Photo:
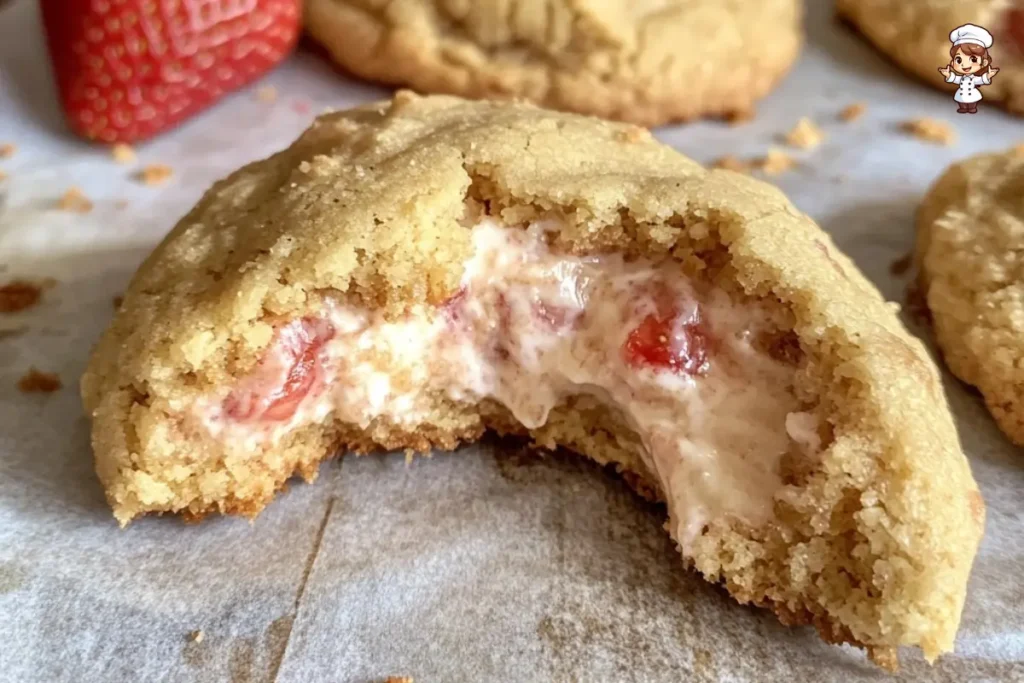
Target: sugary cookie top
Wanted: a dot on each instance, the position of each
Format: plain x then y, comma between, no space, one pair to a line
607,37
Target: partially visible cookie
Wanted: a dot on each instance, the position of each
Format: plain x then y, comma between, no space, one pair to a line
915,35
648,63
970,249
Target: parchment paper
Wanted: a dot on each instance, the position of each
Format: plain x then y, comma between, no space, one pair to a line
487,564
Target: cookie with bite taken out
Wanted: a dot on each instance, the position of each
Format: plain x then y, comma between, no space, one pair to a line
413,273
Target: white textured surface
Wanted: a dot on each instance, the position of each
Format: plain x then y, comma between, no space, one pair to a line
474,566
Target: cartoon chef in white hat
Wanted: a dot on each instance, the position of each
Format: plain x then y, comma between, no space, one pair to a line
970,65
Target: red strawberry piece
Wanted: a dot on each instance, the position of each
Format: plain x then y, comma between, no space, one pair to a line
285,401
265,396
666,343
129,69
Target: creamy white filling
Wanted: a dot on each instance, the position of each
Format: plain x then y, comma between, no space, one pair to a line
530,328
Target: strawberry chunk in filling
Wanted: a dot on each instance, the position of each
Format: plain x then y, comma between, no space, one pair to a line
528,328
285,376
669,342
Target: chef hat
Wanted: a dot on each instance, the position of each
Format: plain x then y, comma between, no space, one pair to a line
969,33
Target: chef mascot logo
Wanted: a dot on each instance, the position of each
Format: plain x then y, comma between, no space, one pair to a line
970,65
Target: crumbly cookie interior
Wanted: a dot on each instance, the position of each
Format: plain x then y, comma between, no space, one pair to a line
703,383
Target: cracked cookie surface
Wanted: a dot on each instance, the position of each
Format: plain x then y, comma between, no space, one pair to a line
915,35
970,251
649,63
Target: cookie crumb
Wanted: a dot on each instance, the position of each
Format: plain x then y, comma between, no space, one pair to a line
74,200
122,153
118,300
155,174
197,636
267,93
1018,150
633,134
852,112
739,116
7,150
399,679
805,135
3,176
37,382
402,98
901,265
930,130
19,295
775,162
731,163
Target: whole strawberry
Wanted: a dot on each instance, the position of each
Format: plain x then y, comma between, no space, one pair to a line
129,69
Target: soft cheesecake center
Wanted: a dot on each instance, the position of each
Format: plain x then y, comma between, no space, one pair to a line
685,364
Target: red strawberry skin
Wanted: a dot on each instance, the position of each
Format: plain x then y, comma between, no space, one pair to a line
129,69
661,343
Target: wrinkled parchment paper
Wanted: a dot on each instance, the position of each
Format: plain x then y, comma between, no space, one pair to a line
487,564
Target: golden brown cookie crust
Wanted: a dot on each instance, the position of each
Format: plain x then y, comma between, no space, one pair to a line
970,250
874,543
915,35
647,63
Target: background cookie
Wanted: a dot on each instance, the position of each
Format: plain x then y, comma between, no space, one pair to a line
648,63
915,35
970,249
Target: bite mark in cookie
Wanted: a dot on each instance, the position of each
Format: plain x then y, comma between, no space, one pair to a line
530,328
